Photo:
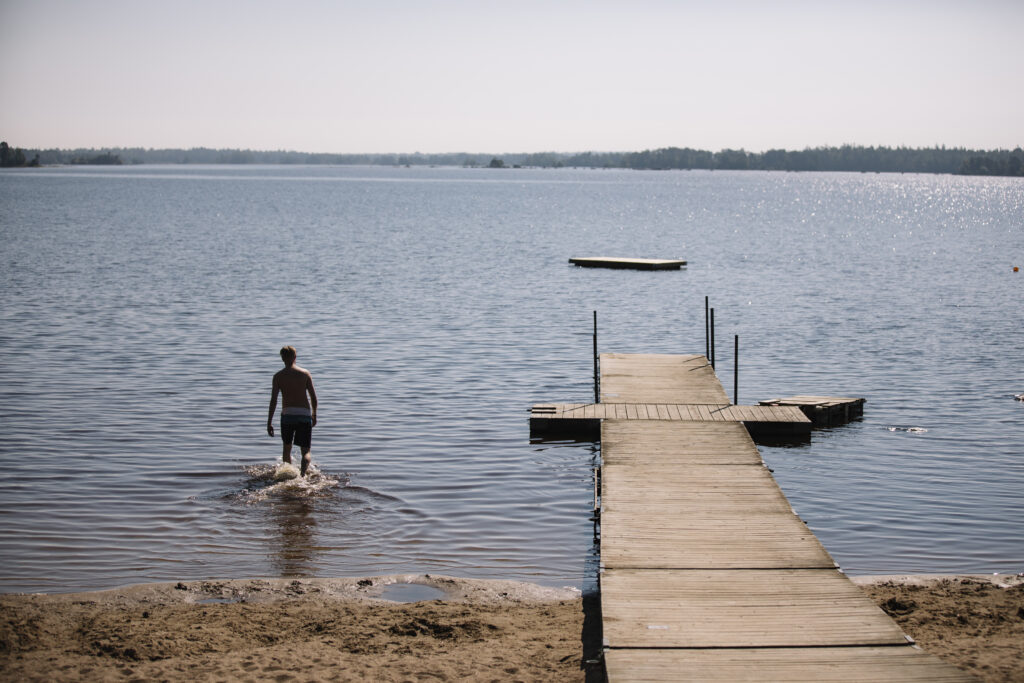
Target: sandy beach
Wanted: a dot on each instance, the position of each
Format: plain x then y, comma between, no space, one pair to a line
975,623
345,629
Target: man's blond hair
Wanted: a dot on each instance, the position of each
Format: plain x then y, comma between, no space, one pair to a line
288,354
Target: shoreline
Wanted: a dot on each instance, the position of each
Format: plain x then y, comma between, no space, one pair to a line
479,629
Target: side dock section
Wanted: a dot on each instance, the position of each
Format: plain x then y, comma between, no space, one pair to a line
706,572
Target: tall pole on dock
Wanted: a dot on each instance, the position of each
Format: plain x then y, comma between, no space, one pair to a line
707,331
712,351
736,372
597,381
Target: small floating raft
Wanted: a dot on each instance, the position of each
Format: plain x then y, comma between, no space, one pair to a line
823,411
634,263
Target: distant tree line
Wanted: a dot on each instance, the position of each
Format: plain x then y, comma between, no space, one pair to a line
845,158
1010,164
13,157
101,159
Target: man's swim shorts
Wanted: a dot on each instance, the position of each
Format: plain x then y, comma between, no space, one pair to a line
297,429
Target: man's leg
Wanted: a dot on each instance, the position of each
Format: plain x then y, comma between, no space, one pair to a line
306,458
288,434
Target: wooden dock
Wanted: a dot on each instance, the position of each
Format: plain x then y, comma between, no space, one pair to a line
632,263
706,572
664,387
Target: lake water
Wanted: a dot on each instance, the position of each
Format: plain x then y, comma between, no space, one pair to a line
143,309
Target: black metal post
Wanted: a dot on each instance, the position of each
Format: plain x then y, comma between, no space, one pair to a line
597,381
707,331
736,372
712,353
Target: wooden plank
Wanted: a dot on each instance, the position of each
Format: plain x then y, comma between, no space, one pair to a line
741,608
748,413
722,414
654,378
647,537
694,491
729,413
660,441
792,413
823,664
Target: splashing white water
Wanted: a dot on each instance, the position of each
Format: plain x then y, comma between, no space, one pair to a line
283,479
285,470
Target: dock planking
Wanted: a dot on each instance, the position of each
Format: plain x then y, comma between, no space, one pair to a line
705,508
668,411
742,608
630,263
584,419
660,378
706,572
818,664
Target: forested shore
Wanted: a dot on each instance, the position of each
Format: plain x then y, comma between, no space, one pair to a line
847,158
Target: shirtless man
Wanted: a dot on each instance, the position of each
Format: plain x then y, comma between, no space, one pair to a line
297,417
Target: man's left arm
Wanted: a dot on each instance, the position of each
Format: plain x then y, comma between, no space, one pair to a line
312,396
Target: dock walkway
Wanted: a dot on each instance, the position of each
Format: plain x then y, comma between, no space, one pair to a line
706,572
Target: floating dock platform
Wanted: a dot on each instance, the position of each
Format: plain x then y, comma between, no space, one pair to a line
633,263
706,573
583,420
823,411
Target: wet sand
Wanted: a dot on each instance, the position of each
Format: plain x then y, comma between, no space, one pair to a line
342,629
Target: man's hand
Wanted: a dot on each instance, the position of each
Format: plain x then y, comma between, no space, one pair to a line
270,429
314,419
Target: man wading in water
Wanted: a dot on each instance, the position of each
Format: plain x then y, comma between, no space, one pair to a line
297,419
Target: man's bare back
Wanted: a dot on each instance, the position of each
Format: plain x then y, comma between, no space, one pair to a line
293,383
298,413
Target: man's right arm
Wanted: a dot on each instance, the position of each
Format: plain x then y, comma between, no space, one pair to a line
273,406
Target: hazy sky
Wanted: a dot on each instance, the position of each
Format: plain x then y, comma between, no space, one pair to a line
515,76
